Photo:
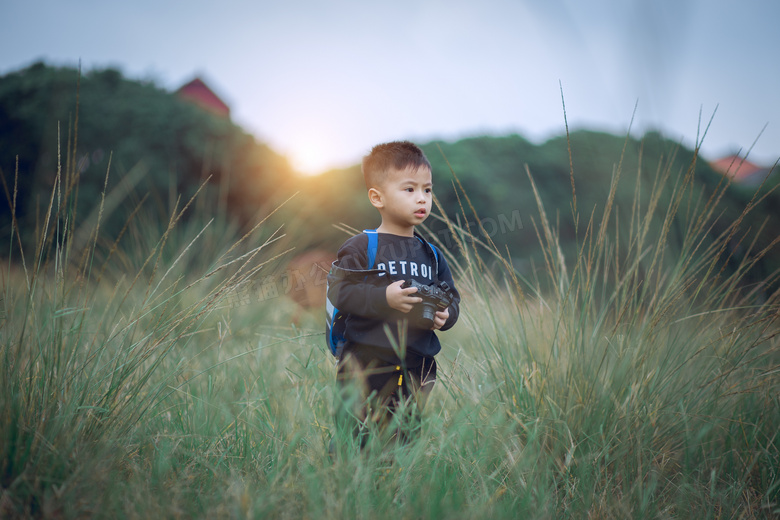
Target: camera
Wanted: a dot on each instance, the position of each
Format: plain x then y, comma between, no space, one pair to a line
434,298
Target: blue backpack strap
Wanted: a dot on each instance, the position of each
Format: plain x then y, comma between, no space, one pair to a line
373,240
335,322
435,252
435,258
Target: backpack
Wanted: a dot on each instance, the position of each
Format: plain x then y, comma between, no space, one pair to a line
336,320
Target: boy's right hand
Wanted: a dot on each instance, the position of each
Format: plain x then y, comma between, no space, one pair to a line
401,299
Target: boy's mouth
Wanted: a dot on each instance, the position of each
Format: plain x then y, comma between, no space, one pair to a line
420,212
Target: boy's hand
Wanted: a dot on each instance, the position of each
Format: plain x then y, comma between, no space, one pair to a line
401,299
440,318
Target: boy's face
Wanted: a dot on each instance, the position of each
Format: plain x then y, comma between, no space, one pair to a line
404,198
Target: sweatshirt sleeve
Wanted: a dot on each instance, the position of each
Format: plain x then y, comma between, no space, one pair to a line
355,292
444,275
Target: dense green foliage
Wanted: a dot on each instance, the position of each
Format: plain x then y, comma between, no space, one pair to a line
492,172
53,119
499,204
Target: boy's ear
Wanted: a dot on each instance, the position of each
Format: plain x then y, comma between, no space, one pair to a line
375,197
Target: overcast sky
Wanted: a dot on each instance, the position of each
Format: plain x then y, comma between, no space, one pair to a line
323,81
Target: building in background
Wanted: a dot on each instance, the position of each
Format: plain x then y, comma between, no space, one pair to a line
198,93
741,170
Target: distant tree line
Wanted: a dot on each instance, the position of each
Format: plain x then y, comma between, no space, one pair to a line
162,148
483,183
159,146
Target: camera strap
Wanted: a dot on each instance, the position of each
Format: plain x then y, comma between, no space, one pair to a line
431,251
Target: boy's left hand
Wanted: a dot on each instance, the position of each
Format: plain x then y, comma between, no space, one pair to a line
440,318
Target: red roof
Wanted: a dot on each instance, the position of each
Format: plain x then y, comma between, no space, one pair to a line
197,92
735,167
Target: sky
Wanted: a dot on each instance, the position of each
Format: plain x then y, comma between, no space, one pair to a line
322,82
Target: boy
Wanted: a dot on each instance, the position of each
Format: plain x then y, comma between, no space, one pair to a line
388,357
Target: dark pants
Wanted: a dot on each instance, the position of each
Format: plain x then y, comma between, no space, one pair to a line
375,391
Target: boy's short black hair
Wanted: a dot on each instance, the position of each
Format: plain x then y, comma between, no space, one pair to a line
397,155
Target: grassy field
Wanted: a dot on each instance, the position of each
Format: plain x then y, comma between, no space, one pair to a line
155,375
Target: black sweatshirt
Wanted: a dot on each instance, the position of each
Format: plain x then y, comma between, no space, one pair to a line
364,298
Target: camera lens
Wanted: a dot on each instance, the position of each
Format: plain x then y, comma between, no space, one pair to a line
427,314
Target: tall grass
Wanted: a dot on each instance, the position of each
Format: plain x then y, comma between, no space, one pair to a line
646,374
634,380
95,334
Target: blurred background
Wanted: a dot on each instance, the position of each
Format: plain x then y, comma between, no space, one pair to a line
263,100
177,177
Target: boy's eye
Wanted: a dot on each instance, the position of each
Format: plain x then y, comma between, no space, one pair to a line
410,189
428,190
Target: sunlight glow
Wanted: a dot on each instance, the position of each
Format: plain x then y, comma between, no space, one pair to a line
318,152
310,160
